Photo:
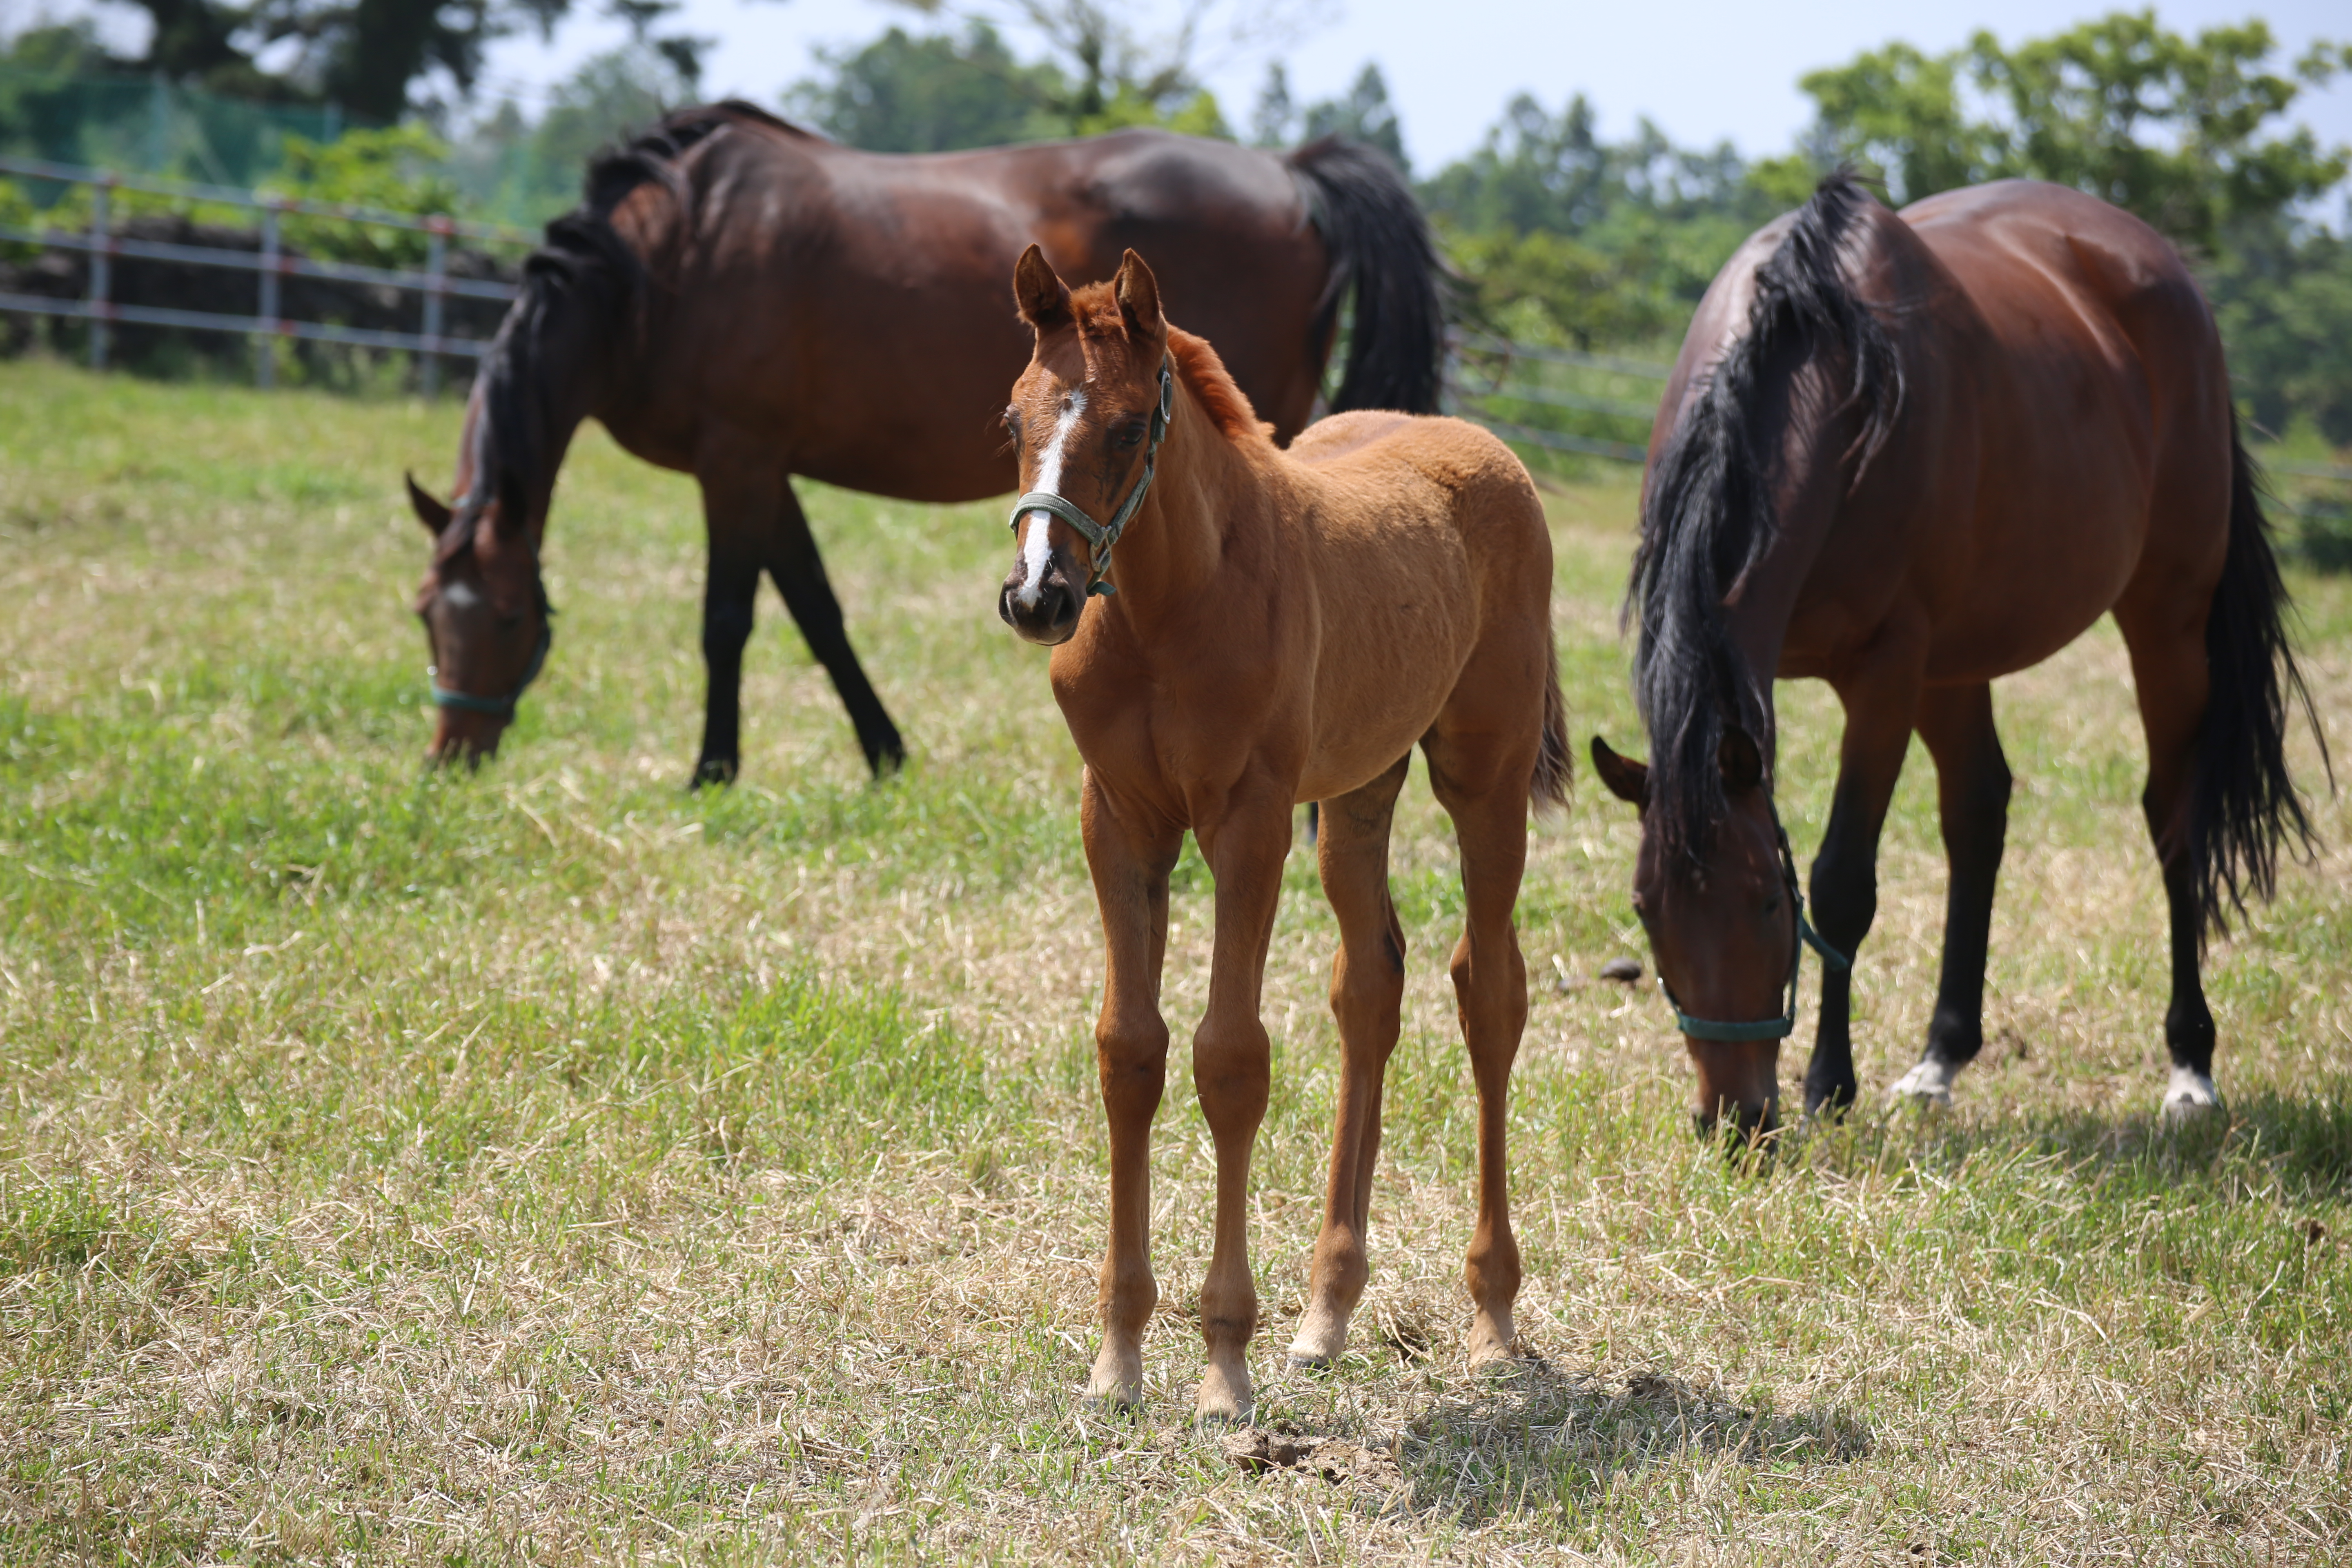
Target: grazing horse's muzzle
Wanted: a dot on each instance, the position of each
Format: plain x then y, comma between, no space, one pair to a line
1046,612
1738,1083
462,737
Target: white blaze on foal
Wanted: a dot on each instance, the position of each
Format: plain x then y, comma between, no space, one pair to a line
1037,545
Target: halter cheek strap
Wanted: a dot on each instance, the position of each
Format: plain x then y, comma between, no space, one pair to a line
1101,536
1782,1028
504,707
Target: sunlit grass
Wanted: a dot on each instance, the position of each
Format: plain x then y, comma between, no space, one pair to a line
551,1164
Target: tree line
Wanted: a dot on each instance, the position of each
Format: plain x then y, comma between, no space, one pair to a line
1561,235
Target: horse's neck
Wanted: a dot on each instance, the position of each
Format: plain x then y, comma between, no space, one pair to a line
1203,489
534,407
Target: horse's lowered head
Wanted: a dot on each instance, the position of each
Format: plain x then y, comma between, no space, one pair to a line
1724,918
1086,421
487,625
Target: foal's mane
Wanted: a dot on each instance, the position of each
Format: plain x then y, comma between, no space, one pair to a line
1708,515
578,300
1096,308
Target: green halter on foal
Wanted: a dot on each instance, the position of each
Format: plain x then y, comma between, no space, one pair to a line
1101,536
1782,1028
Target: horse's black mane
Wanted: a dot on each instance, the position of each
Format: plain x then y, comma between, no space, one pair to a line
1708,515
577,295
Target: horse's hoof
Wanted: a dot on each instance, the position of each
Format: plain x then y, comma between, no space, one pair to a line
1929,1083
2190,1095
712,772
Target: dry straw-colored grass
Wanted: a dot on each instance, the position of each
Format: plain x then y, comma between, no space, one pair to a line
549,1165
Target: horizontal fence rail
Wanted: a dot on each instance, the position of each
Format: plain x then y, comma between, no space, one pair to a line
268,259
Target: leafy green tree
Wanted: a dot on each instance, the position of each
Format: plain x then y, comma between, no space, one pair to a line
2182,130
904,94
1365,114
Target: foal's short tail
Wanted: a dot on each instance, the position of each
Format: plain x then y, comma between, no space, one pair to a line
1550,790
2246,804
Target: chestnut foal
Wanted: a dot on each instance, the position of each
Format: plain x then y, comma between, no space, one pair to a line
1277,628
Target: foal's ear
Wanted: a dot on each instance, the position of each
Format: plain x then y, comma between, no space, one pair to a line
430,513
1041,297
1138,297
1741,760
1626,779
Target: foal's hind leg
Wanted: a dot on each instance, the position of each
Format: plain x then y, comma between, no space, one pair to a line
1488,798
2173,685
1367,995
1973,786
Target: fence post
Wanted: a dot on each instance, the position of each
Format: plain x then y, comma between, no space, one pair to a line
265,343
101,268
436,269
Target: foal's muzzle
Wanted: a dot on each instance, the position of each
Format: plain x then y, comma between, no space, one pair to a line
1051,617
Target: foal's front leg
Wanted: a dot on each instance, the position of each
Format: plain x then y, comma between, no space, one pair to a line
1129,854
1230,1057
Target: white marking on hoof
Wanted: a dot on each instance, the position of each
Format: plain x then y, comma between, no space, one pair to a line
2190,1093
1930,1082
1036,545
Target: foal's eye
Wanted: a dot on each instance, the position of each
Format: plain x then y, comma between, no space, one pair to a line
1128,436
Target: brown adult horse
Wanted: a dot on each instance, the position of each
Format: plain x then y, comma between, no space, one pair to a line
743,301
1905,454
1284,627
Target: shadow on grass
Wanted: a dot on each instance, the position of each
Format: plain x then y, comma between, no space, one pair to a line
1536,1437
2301,1140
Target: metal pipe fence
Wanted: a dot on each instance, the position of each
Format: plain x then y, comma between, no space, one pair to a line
270,260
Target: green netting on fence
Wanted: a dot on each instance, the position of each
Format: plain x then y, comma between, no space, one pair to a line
149,125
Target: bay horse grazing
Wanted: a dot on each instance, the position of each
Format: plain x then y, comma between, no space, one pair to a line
742,301
1907,453
1276,627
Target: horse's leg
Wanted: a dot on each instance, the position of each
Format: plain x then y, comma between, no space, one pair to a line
1367,996
1972,785
1881,705
1130,860
799,572
1245,850
2173,683
1490,990
736,505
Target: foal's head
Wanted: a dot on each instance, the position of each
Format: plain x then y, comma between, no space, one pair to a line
1084,420
1720,909
487,623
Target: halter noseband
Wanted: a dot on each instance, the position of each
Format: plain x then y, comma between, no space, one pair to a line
1101,536
504,707
1782,1028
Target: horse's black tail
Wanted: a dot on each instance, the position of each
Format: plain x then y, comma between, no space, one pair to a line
1382,252
2246,805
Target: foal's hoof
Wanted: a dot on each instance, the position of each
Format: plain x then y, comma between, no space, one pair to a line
1226,1397
2190,1095
1929,1083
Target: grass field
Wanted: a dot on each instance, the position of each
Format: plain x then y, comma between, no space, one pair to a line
547,1164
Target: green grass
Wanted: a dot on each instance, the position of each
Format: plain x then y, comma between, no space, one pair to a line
548,1164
